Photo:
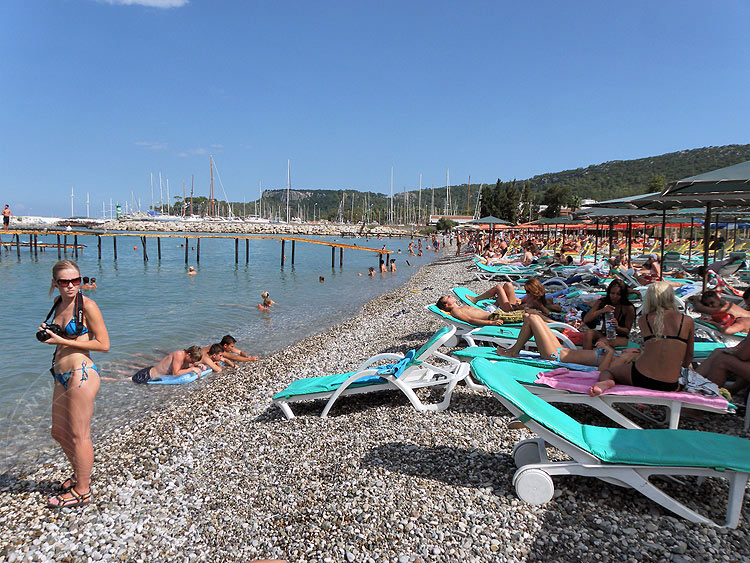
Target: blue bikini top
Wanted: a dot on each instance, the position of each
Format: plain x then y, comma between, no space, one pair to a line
75,326
72,328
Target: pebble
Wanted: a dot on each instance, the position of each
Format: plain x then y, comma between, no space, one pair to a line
222,475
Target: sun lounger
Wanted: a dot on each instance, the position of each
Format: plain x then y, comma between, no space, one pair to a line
534,376
619,456
411,371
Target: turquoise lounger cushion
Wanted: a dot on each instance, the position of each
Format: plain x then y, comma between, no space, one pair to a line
432,341
324,384
529,359
679,448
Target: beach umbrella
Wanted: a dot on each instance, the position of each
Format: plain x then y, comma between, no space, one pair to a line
491,221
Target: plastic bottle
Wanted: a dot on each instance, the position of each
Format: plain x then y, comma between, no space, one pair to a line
609,323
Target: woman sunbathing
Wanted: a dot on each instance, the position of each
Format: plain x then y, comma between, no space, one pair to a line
727,317
550,348
668,338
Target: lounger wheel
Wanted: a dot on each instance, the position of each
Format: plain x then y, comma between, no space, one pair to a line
534,486
526,453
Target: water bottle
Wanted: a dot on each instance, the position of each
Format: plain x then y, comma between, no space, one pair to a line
609,323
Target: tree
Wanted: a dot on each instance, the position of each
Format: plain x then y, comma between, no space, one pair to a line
656,183
510,203
491,199
445,224
525,204
575,202
554,198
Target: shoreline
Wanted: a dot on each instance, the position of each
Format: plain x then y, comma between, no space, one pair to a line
223,474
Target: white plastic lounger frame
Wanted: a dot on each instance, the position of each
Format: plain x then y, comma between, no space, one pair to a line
534,485
420,374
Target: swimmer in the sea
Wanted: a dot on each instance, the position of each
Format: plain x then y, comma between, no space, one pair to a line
267,301
191,271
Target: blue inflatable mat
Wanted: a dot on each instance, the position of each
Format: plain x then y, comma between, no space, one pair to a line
184,378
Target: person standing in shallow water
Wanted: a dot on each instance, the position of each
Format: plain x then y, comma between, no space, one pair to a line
7,214
82,330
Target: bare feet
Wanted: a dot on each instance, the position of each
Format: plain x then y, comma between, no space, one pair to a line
601,386
507,352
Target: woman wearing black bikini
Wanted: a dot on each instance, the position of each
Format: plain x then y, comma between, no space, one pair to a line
76,378
668,338
616,301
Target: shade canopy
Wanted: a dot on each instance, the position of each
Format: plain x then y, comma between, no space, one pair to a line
490,220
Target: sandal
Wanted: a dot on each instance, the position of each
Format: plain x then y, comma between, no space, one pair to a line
75,500
66,485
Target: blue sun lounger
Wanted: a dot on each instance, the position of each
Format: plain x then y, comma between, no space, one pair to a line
411,371
619,456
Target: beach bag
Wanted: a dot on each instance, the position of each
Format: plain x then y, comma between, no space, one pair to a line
507,316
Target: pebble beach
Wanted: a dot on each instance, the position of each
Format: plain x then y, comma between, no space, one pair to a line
223,475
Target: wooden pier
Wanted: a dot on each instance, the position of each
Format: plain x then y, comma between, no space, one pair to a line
63,246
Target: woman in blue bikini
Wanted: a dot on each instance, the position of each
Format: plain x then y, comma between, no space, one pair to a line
76,378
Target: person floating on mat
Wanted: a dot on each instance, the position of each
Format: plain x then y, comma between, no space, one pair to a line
550,348
616,302
213,357
668,338
175,364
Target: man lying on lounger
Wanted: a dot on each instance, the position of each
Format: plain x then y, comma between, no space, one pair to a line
472,315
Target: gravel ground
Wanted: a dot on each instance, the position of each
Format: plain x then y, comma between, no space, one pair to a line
223,476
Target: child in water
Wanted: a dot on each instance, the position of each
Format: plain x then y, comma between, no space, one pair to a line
267,301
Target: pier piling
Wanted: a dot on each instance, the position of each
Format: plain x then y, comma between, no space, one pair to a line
75,246
99,245
247,251
186,250
198,251
333,257
158,248
65,245
58,247
31,244
145,253
36,246
341,257
18,246
114,246
282,252
236,251
293,241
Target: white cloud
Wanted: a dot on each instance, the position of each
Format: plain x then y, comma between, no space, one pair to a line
198,151
152,145
148,3
217,146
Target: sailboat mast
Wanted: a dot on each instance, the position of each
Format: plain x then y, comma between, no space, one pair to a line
390,213
192,182
468,193
288,185
419,205
211,204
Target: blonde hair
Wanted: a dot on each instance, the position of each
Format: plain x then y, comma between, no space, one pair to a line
59,267
194,353
659,298
264,295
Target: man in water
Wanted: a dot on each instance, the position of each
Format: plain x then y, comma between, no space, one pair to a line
231,352
172,365
7,214
213,356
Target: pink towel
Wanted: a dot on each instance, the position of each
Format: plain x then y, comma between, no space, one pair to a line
581,382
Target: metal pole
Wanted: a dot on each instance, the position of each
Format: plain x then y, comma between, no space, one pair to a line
706,231
690,246
611,242
663,225
630,238
596,241
716,234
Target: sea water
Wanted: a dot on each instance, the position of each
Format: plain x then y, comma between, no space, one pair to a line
154,307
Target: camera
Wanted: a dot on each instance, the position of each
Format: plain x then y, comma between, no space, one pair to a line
43,336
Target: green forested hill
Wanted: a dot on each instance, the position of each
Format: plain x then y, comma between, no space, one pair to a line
617,178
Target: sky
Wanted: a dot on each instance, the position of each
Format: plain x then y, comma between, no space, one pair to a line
96,95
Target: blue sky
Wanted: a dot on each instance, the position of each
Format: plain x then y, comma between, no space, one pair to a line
98,94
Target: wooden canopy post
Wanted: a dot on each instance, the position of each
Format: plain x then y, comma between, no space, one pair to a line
596,241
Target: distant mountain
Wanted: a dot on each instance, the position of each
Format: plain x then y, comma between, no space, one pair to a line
617,178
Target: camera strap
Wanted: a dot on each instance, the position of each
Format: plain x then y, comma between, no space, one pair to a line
77,313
